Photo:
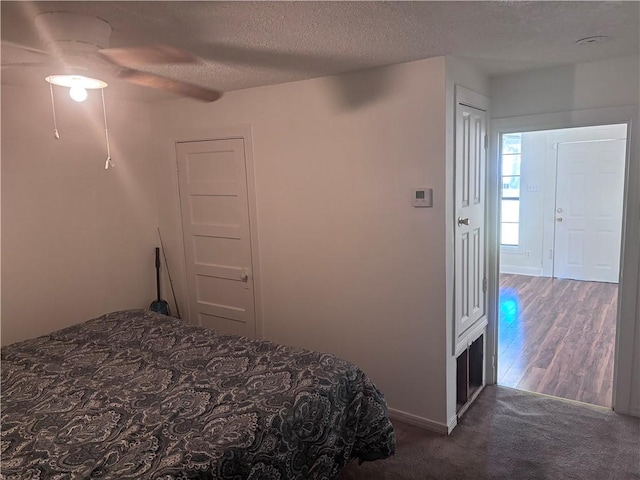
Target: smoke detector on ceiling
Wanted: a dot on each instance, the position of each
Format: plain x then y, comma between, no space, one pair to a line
592,40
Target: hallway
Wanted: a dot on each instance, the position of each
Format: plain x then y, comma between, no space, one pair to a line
557,337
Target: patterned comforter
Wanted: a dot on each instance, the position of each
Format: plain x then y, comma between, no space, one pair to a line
137,395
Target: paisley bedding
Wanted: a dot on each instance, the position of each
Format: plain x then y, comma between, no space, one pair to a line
135,394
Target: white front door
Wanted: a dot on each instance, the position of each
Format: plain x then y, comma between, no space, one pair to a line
469,223
217,242
589,198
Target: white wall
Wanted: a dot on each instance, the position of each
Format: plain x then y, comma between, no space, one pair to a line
346,264
607,83
537,196
590,94
77,241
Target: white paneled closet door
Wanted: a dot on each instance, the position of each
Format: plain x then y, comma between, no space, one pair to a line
469,223
212,177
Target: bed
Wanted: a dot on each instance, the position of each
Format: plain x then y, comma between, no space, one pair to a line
135,394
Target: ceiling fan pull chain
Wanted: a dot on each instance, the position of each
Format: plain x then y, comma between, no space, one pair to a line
53,109
109,162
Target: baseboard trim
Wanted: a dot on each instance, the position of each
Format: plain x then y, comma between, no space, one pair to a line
418,421
631,411
453,421
517,270
634,412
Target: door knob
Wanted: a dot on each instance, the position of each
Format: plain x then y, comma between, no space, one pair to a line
463,221
244,277
559,219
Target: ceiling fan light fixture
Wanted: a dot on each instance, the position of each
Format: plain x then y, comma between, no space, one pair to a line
77,93
77,85
70,81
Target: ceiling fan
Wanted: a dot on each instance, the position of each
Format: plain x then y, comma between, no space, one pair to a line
76,46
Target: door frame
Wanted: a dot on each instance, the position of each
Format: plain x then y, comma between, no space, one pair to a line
627,311
242,132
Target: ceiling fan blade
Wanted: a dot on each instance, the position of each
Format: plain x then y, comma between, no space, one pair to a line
10,44
156,54
24,64
176,87
261,57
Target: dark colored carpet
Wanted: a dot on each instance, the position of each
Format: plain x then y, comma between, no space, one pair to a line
513,435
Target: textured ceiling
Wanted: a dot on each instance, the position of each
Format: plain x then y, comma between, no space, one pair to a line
248,44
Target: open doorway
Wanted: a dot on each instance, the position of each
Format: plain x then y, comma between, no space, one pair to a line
561,206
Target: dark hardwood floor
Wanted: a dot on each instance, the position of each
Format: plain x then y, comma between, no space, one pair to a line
557,337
